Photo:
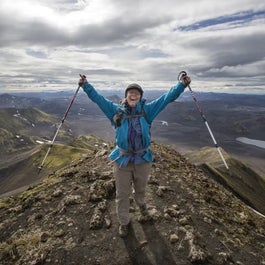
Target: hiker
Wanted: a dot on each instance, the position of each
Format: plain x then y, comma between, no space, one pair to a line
132,157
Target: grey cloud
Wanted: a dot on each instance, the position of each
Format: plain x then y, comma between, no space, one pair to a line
225,55
164,71
104,71
37,32
36,54
53,75
130,39
115,31
239,50
17,33
232,51
130,52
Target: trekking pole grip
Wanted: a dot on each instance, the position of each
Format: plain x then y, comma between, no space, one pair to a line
184,82
181,74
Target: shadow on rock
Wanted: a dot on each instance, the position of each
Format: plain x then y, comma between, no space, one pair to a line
157,245
135,249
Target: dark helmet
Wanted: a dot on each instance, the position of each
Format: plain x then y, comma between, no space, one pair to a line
134,86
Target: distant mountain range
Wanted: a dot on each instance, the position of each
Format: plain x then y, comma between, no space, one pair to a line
148,94
229,115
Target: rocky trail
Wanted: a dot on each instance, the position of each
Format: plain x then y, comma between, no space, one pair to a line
70,218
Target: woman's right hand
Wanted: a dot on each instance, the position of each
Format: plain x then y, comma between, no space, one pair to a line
82,80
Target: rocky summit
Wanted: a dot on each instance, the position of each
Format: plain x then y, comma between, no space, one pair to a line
70,218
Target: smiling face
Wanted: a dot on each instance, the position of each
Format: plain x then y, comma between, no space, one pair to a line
133,97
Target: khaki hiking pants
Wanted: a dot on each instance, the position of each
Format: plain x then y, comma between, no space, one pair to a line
124,178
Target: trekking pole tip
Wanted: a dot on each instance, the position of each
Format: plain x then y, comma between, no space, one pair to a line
39,169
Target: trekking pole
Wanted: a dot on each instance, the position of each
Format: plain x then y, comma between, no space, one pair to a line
57,131
182,74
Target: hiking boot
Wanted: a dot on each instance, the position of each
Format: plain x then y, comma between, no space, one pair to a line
123,230
143,210
144,214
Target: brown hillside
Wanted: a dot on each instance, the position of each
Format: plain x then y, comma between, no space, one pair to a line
70,219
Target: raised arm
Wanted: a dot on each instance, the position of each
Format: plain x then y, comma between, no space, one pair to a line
108,107
153,108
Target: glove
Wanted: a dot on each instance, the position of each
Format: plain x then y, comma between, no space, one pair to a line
82,80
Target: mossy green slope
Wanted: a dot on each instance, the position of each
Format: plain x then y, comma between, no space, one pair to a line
240,178
23,169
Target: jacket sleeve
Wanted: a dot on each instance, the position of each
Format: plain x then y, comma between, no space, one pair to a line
108,107
153,108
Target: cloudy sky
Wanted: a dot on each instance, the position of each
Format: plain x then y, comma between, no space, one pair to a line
45,44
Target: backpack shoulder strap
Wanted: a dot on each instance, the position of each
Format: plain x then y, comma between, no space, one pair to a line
142,114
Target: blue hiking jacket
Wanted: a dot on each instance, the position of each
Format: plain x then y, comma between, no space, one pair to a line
151,110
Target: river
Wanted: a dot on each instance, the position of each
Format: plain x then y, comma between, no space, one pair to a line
245,140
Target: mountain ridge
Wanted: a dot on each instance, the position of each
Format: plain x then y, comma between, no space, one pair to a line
70,218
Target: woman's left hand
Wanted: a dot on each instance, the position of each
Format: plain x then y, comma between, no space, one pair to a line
185,80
